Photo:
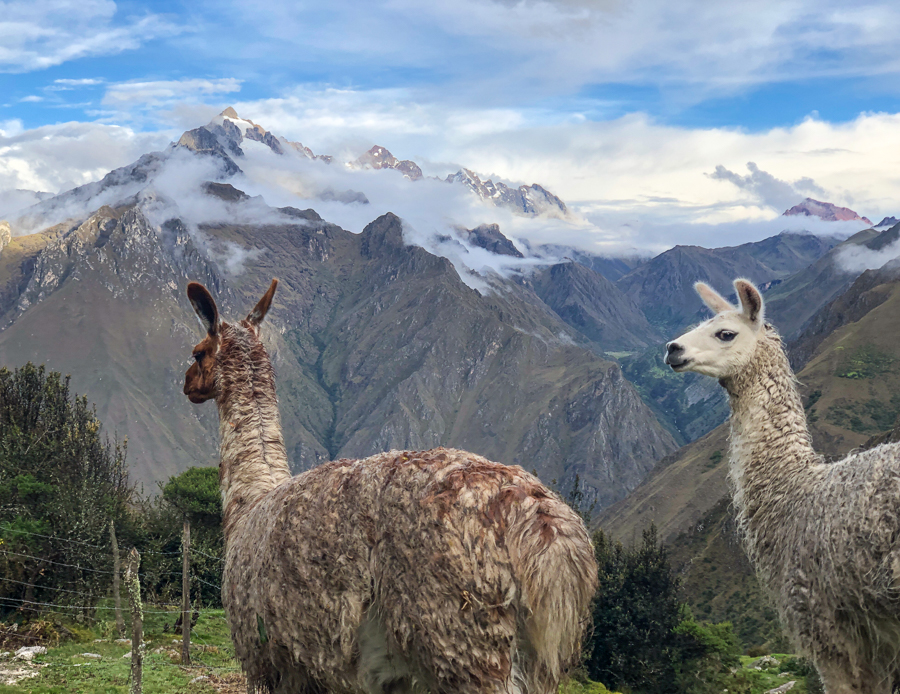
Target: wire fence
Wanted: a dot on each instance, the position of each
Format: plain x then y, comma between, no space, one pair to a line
79,612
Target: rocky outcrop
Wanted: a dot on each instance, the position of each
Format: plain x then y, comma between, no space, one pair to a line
825,211
530,200
204,142
490,238
380,158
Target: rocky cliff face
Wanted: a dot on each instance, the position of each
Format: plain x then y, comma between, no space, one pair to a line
591,304
379,158
377,345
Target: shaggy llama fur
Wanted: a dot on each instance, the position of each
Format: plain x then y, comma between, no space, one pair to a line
435,571
824,538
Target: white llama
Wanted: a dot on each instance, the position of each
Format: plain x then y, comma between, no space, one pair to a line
825,538
409,571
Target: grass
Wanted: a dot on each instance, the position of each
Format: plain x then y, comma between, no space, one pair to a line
67,670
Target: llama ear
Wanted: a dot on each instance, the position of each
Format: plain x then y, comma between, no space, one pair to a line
204,306
751,301
716,302
255,317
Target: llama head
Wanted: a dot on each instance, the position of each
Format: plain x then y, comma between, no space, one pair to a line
725,344
223,341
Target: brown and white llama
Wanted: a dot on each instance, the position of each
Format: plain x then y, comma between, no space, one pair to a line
410,571
824,537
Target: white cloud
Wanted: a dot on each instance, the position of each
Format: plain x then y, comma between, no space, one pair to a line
632,183
179,103
59,157
166,92
629,169
769,190
38,35
857,259
492,51
69,84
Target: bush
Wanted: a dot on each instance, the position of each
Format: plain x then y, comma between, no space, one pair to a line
634,644
61,484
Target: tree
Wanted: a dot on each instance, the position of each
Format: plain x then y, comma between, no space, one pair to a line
634,644
60,485
195,492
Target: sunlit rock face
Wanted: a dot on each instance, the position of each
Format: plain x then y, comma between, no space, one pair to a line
825,211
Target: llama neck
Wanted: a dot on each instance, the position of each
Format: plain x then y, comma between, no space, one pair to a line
253,459
770,442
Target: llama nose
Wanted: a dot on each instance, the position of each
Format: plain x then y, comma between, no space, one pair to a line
673,354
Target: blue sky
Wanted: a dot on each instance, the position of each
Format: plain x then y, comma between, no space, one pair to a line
685,66
615,105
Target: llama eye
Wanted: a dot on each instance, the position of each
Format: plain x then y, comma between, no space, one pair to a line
726,335
198,356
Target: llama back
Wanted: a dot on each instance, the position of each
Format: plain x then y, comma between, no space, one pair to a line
470,571
518,558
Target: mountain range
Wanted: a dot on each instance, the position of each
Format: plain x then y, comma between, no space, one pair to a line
395,335
378,343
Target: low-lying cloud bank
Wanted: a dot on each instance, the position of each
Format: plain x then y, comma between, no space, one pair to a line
633,186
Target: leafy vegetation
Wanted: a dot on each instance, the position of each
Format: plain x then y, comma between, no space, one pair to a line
62,484
864,363
644,639
58,479
865,417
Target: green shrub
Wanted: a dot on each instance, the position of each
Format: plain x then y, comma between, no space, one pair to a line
866,362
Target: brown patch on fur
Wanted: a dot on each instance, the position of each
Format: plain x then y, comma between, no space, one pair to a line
200,378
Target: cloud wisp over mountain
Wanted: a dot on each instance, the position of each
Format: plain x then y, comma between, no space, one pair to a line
767,189
623,111
639,194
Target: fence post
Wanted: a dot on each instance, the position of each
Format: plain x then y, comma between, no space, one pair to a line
117,567
137,622
186,594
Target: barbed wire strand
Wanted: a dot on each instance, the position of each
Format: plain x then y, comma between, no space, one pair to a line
209,556
79,542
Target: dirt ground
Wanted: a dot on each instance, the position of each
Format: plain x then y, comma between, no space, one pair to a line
232,683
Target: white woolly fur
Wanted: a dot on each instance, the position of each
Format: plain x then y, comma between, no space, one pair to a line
824,537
